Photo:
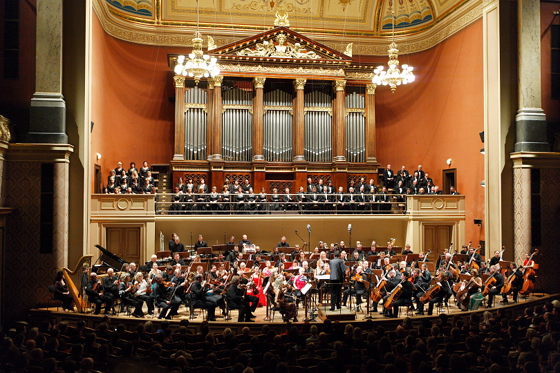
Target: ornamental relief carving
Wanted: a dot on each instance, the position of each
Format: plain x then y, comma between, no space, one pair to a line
366,43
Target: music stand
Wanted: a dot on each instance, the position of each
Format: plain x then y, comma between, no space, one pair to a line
265,291
310,285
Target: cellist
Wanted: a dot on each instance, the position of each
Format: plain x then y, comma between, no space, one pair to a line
443,293
392,281
515,281
422,279
497,288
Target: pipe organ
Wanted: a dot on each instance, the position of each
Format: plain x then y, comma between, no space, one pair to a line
284,106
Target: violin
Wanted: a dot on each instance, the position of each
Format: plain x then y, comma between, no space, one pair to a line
357,277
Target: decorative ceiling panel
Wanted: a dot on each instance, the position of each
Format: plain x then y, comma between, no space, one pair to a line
418,24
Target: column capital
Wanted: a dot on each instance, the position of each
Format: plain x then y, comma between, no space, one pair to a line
258,82
299,83
370,88
339,85
218,80
179,81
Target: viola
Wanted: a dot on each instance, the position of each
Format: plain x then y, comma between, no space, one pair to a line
357,277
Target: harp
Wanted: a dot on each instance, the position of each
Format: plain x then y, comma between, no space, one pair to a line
74,282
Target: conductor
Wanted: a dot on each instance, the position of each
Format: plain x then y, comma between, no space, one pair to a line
337,276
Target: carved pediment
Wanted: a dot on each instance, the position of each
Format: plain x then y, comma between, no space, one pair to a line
282,45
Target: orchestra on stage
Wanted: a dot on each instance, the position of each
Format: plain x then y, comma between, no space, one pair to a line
239,276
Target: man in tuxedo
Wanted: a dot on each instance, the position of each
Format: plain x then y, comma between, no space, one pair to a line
200,299
389,177
336,278
421,173
403,175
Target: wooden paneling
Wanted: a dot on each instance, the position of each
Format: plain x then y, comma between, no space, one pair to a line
124,242
437,238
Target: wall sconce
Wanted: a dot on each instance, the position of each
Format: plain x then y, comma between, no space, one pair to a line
97,156
482,151
483,183
478,222
449,161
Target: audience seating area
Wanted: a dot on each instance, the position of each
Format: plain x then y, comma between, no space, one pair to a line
494,341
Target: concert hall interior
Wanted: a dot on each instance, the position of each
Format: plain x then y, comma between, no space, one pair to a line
91,86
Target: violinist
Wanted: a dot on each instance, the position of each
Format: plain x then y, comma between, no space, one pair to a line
422,279
143,291
168,275
443,293
326,270
111,284
94,291
164,298
236,300
200,299
386,265
299,283
357,288
251,300
321,262
497,287
126,291
177,260
402,266
516,279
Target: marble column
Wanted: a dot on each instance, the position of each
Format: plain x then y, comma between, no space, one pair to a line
530,120
371,144
258,118
217,122
522,212
298,129
338,125
179,140
60,211
47,121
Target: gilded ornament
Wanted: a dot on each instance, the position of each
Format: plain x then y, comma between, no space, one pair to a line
258,82
5,133
300,83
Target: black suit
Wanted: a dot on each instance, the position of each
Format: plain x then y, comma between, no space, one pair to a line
94,297
389,178
235,301
337,277
496,289
200,300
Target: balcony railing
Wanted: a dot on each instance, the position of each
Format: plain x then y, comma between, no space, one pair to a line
247,204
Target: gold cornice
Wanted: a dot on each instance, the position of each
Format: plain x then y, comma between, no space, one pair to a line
56,153
165,33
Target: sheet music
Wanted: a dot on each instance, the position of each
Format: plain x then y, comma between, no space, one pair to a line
306,288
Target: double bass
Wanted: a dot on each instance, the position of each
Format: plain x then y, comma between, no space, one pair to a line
528,276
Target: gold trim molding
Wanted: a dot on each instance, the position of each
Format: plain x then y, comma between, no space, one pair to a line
364,43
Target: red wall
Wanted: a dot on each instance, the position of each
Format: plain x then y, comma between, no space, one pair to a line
438,117
133,117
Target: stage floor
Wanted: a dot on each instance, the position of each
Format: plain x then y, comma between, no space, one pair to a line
319,314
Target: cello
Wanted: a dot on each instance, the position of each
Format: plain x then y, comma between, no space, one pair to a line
528,276
430,293
491,280
376,293
395,294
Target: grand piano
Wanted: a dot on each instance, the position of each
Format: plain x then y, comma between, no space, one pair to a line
108,260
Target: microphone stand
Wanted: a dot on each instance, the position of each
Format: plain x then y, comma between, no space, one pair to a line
309,238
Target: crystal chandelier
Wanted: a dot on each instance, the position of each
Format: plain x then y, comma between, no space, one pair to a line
198,64
393,76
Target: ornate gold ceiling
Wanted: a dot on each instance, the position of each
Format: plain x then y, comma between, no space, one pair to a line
418,24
